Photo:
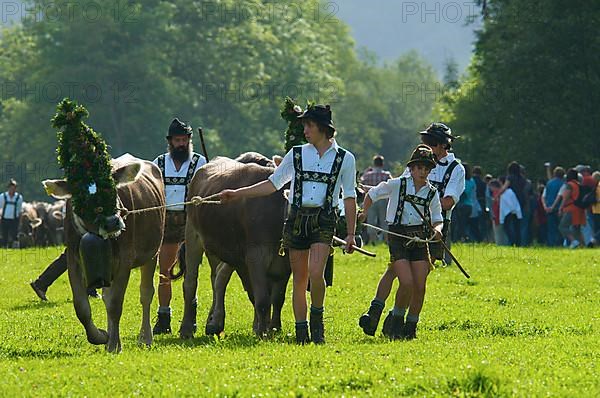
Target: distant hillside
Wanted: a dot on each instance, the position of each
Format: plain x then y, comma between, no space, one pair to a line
436,29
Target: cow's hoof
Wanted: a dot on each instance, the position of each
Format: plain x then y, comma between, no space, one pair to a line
145,340
187,332
213,330
98,338
114,347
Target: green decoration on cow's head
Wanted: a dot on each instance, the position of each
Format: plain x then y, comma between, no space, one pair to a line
294,135
83,156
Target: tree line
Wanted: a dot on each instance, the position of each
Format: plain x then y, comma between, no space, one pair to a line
226,66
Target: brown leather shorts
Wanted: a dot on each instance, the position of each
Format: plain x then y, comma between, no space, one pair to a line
401,249
174,227
306,226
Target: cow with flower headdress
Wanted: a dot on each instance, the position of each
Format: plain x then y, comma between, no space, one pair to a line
103,242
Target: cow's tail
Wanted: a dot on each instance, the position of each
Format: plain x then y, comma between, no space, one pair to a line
181,261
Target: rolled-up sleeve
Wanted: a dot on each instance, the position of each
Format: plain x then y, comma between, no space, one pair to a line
435,208
284,172
349,176
456,184
383,190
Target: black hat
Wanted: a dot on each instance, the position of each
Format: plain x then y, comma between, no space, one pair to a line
179,128
423,154
320,114
440,132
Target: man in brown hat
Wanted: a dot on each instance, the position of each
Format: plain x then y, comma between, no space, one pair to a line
318,172
409,260
178,166
11,203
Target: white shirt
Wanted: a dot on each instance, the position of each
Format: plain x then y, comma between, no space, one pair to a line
11,202
176,193
390,189
456,183
314,193
509,204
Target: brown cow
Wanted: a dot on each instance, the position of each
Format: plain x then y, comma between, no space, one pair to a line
51,232
139,185
29,223
245,234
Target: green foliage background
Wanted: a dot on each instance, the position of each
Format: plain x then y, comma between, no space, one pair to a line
532,91
224,65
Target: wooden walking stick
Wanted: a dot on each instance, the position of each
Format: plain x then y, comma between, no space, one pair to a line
441,240
358,249
201,134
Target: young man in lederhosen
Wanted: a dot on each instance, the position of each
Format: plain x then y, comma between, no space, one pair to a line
409,261
178,166
448,177
317,171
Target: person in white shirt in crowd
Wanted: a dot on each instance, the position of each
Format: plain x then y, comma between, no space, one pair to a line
11,203
510,212
318,171
410,261
448,177
178,166
370,178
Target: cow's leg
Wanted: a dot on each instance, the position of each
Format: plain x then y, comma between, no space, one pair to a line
257,259
82,305
193,257
220,276
146,294
113,297
281,274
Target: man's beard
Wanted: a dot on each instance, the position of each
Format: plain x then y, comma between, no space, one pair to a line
181,153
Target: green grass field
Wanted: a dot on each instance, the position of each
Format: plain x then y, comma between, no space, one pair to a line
526,324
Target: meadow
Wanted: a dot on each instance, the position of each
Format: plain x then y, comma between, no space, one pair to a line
526,324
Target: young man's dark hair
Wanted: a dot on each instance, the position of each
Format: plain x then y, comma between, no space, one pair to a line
378,161
476,170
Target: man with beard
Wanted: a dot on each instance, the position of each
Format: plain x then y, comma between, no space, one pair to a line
178,166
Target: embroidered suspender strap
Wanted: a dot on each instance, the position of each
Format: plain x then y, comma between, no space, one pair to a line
335,172
17,197
190,174
441,185
414,200
401,198
297,199
161,165
315,176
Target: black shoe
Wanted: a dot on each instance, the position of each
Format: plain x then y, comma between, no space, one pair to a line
317,329
302,336
410,330
163,324
40,293
393,326
369,321
93,293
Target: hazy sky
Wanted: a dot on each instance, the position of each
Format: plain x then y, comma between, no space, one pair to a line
437,29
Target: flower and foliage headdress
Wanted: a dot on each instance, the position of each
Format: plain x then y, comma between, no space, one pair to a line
294,135
83,156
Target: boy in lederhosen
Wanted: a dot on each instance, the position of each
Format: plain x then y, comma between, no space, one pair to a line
448,177
409,260
317,172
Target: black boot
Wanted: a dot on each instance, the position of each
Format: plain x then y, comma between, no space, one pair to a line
41,293
393,326
410,330
163,324
369,321
302,336
317,329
